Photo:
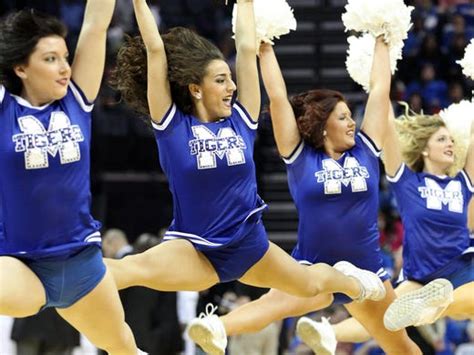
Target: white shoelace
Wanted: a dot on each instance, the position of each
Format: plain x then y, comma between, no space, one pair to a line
209,311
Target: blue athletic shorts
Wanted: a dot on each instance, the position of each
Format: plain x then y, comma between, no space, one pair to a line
67,281
234,260
459,271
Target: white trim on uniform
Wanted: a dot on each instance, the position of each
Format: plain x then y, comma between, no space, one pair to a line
305,262
397,175
468,180
80,99
164,123
296,153
401,277
2,93
248,120
470,248
92,238
262,207
193,238
21,101
381,272
369,143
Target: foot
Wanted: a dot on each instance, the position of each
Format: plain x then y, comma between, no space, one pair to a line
422,306
208,332
372,288
319,336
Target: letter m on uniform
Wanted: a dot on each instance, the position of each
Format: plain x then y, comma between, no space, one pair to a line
208,147
436,196
36,142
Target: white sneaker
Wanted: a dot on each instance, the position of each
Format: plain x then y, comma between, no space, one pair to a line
422,306
372,288
319,336
208,332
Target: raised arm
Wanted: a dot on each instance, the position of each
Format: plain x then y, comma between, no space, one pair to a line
158,87
285,129
469,166
89,60
246,62
391,148
376,112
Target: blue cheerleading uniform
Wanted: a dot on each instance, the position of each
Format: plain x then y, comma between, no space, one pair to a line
45,198
434,214
212,179
44,185
337,205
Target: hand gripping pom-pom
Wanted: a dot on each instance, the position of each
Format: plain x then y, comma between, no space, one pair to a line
360,56
388,18
273,18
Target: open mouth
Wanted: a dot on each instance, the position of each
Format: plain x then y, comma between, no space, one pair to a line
228,101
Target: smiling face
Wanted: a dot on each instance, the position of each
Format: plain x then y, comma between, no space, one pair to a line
213,96
46,75
340,130
439,152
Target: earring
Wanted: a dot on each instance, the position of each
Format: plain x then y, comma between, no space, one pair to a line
325,133
425,154
198,96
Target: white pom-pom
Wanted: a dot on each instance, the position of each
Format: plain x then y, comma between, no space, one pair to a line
459,118
273,18
361,54
390,18
467,62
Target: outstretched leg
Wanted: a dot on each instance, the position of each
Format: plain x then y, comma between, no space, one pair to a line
462,306
172,265
99,316
21,293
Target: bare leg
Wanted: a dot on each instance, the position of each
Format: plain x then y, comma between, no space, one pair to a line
272,306
351,331
462,306
100,317
370,315
171,266
21,293
279,270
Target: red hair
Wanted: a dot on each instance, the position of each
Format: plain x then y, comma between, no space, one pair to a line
312,110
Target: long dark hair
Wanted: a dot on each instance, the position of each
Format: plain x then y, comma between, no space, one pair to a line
188,56
19,34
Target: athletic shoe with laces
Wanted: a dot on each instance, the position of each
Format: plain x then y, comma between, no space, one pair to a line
319,336
372,288
208,332
422,306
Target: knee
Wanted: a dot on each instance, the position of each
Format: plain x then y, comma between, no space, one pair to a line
19,306
123,343
322,276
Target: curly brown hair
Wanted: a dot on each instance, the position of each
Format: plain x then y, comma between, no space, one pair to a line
312,110
188,56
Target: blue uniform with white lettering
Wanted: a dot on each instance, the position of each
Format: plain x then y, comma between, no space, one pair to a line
212,179
337,204
44,181
434,214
